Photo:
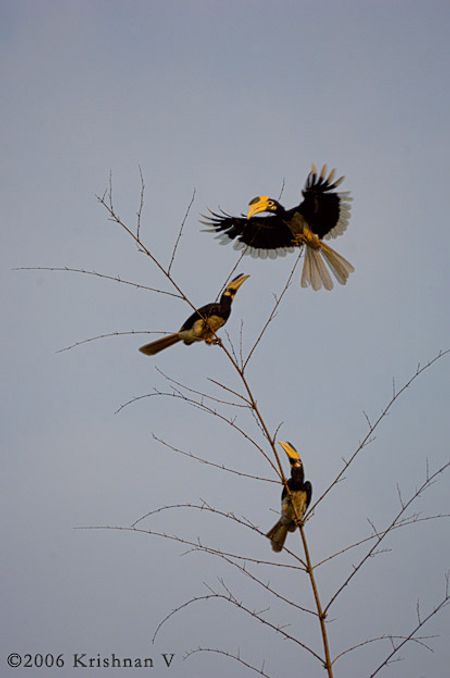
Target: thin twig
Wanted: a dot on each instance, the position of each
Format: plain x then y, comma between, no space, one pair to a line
272,314
230,655
187,542
265,585
387,636
171,380
385,532
221,467
231,273
443,603
180,232
141,205
229,598
116,218
403,523
372,427
283,184
104,276
230,390
108,334
204,408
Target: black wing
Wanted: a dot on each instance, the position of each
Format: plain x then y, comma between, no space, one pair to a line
326,212
259,233
308,490
203,312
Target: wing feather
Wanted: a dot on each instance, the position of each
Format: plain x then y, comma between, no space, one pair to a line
263,236
326,211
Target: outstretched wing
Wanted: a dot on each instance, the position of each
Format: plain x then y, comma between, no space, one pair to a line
258,236
326,211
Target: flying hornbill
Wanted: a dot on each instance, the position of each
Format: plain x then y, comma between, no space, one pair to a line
203,324
293,503
323,213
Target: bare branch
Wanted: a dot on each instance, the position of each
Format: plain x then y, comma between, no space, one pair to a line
104,276
204,408
283,184
265,585
383,534
230,516
400,498
421,622
232,272
141,205
230,655
230,390
108,205
420,640
230,598
232,349
373,427
197,545
328,664
104,336
175,247
206,395
221,467
273,312
402,523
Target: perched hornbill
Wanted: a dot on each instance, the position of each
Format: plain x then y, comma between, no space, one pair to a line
323,213
298,497
203,324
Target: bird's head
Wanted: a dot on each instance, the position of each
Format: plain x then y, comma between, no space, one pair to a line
234,285
262,203
293,455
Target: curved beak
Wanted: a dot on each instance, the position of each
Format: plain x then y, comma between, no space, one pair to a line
235,284
257,205
290,451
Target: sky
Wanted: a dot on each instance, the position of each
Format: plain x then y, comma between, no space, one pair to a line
229,100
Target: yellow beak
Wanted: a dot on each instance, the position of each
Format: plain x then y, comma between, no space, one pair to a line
258,205
290,450
235,284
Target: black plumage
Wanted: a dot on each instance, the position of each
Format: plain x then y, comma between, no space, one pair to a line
203,324
322,214
294,503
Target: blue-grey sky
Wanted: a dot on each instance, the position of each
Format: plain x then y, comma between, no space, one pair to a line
230,99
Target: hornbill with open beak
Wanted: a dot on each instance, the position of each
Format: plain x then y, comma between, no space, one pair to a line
293,503
203,324
322,214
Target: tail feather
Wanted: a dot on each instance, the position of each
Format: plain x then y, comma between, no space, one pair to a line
277,535
338,264
306,272
315,272
160,344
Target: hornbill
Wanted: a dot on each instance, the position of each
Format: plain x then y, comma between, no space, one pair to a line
298,498
203,324
323,213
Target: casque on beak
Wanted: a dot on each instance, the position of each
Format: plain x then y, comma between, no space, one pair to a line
291,452
237,282
257,205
